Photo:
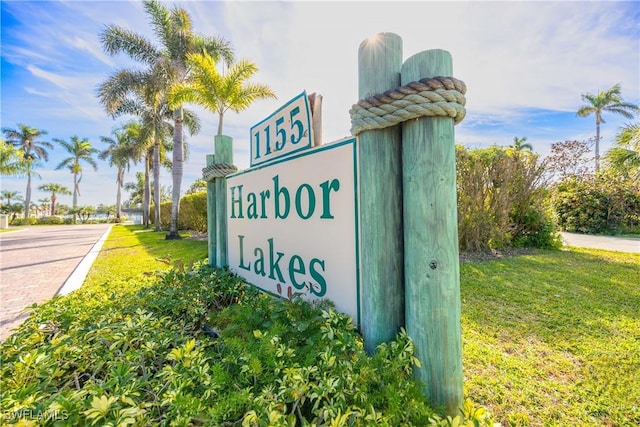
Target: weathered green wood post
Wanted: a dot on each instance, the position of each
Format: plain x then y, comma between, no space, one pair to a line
432,271
211,213
382,305
224,155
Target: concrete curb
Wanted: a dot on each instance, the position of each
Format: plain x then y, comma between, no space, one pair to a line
75,279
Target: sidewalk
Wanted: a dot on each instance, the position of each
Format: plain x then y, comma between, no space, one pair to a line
610,243
38,262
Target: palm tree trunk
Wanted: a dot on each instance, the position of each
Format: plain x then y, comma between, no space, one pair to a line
75,190
27,199
220,124
53,204
119,193
177,171
597,146
156,185
146,194
75,195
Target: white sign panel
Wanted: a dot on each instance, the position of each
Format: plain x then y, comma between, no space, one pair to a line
286,131
293,225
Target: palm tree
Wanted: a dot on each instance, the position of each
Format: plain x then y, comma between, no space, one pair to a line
9,195
120,152
11,163
81,151
625,156
173,29
519,144
44,205
54,189
140,94
25,139
136,189
609,101
217,92
6,194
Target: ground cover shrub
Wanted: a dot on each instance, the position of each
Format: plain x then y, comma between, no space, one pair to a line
196,346
551,338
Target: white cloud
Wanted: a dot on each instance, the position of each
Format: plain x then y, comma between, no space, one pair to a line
89,44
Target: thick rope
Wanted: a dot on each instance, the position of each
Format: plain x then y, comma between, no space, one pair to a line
218,170
432,97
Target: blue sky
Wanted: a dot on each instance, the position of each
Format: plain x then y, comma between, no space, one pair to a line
525,65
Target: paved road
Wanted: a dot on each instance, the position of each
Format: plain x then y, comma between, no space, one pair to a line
622,244
36,262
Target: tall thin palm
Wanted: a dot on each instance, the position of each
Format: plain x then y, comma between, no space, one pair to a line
54,189
120,152
81,151
25,138
220,92
609,101
140,94
174,32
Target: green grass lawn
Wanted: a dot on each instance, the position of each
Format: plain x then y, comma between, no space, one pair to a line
11,228
131,250
553,338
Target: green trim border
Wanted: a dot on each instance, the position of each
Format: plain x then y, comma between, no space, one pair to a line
353,141
306,146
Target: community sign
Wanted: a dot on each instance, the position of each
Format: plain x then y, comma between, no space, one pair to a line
293,219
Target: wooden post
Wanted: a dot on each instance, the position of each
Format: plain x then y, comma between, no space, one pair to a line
315,103
224,154
211,214
432,270
382,302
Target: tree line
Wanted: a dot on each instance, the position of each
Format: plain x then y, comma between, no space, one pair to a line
179,66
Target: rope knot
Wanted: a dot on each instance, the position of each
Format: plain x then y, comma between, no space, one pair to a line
430,97
218,170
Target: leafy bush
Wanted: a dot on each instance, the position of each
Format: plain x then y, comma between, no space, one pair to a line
24,221
199,347
501,200
602,204
193,213
50,220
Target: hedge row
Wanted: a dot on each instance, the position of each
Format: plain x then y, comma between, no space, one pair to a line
193,213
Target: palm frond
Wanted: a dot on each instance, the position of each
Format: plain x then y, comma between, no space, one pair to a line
216,47
585,110
191,121
114,91
629,136
116,40
159,19
625,109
